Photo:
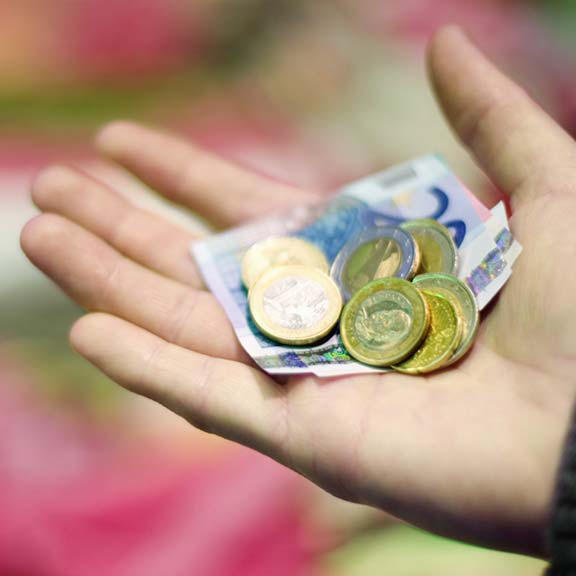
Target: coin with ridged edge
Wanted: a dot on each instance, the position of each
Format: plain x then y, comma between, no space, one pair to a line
464,302
280,251
441,340
438,252
295,304
379,252
384,322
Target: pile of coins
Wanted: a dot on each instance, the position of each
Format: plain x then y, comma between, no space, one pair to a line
393,288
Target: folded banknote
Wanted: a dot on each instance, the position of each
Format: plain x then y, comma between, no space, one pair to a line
422,188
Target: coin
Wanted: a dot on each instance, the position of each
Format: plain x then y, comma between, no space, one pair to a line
280,251
437,248
464,302
384,322
441,340
379,252
295,304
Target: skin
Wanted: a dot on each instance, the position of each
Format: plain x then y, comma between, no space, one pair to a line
471,452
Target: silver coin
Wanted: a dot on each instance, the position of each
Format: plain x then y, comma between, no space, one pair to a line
295,304
379,252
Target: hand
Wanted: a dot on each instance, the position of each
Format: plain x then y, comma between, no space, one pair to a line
470,452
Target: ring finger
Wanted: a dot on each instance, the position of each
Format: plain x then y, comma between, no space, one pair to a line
100,279
144,237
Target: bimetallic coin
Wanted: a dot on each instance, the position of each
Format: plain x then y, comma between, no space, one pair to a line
378,252
295,304
384,322
280,251
441,340
464,302
437,248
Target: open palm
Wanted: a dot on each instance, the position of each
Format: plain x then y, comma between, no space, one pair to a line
470,452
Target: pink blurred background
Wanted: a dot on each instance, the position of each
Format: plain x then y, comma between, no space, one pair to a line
96,481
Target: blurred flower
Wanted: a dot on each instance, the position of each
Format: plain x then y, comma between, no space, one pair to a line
126,38
77,501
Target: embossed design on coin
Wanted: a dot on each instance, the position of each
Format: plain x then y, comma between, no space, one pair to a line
441,340
378,325
280,251
379,252
384,322
382,327
464,302
437,248
295,304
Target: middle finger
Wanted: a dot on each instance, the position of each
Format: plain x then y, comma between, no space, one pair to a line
143,236
100,279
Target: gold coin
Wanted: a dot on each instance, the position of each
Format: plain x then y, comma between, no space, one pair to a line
464,302
384,322
438,252
295,304
280,251
441,340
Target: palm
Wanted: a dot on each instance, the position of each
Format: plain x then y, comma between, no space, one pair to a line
470,452
415,446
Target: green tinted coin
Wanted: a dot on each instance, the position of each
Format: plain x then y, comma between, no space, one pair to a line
384,322
377,252
464,302
441,340
438,252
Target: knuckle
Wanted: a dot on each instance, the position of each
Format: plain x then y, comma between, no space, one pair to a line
180,315
110,278
475,124
124,227
135,230
492,116
202,415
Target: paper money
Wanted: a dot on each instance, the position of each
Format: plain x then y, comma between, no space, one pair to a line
498,226
486,263
422,188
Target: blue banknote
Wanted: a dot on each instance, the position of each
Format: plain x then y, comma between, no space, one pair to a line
422,188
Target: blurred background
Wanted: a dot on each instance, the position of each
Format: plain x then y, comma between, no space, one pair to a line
96,481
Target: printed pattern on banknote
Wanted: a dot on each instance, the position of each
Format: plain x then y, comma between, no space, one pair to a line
422,188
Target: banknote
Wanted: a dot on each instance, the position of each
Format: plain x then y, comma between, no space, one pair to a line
422,188
499,227
486,263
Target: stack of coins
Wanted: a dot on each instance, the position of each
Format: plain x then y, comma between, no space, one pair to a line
291,297
393,288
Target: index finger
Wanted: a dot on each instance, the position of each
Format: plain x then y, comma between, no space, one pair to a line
218,190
